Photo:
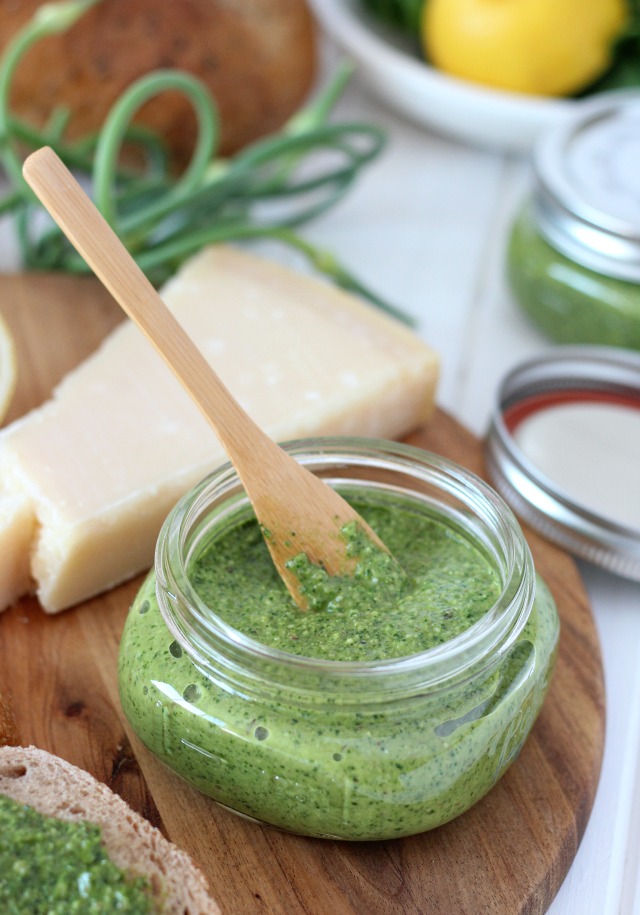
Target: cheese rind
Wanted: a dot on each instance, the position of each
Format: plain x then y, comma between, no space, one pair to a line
17,526
98,467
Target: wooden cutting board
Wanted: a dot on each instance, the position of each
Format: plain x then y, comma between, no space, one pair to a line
507,855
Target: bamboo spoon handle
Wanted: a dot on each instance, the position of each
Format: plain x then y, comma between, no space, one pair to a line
91,235
299,511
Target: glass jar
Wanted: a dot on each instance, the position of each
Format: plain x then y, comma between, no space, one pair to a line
573,257
349,750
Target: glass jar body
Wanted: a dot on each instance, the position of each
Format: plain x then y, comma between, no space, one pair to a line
567,301
342,750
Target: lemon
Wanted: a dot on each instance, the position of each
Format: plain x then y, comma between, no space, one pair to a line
541,47
8,368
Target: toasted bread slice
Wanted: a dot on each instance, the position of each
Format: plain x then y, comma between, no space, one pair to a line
54,787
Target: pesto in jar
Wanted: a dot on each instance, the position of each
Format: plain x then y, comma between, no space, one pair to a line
569,302
290,740
441,586
573,259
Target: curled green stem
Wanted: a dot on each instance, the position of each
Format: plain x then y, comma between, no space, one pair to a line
117,122
274,185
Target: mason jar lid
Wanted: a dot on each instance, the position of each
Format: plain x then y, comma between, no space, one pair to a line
586,195
563,449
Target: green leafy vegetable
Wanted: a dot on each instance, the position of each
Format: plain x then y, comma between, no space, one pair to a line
267,190
624,71
405,14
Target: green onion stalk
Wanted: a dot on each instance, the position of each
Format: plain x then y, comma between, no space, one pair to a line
267,190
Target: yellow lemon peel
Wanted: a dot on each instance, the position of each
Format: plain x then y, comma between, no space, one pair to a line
539,47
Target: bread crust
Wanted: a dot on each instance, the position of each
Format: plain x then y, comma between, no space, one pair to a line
57,788
257,57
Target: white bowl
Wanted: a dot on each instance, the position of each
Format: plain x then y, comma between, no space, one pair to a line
463,110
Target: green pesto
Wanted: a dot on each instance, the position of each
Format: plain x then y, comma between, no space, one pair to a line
306,757
442,585
569,302
52,867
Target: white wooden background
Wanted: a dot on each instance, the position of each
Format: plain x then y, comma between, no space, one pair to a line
426,227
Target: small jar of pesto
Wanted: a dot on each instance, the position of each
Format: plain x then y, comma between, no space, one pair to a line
365,718
573,260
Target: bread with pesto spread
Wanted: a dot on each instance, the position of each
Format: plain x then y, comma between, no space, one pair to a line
55,788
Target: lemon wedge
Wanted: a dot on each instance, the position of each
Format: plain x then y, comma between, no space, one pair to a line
8,368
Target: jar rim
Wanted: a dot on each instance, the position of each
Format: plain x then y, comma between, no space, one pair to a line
560,375
575,200
496,629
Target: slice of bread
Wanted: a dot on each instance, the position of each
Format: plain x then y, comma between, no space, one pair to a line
54,787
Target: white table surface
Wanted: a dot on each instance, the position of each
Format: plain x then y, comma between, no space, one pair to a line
426,227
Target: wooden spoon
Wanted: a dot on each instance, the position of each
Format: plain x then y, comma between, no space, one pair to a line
297,511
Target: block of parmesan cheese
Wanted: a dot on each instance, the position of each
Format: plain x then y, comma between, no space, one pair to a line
87,479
